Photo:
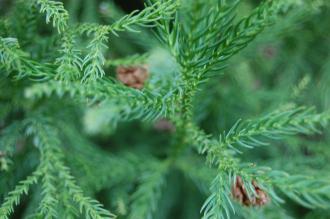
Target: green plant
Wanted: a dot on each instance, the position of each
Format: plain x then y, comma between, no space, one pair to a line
78,143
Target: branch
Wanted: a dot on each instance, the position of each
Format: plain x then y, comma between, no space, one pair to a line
12,58
46,139
275,125
69,62
160,10
55,13
94,61
132,103
14,197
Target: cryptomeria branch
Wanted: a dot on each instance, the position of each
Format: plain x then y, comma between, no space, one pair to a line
55,13
200,36
272,126
46,139
14,197
275,125
94,61
12,58
142,104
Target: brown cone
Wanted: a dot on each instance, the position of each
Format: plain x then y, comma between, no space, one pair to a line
262,197
240,194
133,76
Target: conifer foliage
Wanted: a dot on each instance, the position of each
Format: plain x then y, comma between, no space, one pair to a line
210,109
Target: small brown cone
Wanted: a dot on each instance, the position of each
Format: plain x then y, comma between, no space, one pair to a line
133,76
240,194
262,197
